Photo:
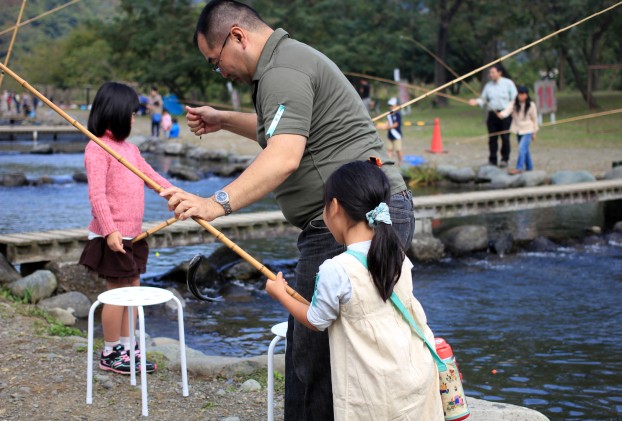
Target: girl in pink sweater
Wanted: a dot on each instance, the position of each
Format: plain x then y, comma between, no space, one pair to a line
117,202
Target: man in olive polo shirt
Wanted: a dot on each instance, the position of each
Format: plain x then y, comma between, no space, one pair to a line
309,120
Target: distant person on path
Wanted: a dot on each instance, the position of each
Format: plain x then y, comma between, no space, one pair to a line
394,128
497,94
166,123
155,106
302,100
117,204
365,93
525,124
174,133
380,370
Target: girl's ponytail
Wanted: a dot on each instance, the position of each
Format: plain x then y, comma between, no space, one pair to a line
363,191
386,255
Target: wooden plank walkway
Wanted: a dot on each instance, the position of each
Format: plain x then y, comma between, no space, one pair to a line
11,132
66,245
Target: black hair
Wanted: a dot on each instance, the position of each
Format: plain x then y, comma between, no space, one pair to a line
112,110
522,90
501,69
218,16
360,187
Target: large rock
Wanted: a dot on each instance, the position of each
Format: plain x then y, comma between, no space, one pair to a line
613,174
504,181
465,239
8,273
13,180
501,243
182,172
75,300
42,149
199,153
75,277
486,173
572,177
39,285
461,175
542,244
444,170
482,410
533,178
175,149
65,316
426,248
80,177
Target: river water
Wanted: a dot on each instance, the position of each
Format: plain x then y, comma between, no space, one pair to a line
549,324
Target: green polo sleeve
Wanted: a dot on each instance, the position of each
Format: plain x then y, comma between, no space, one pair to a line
292,89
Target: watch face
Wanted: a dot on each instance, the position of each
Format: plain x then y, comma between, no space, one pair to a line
222,197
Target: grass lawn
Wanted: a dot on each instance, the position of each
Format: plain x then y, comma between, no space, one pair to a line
461,122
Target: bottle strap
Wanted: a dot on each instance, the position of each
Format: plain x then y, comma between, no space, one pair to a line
362,258
400,307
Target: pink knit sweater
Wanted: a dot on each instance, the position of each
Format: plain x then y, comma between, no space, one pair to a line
117,195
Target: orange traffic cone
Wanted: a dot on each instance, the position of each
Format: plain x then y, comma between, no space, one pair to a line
437,142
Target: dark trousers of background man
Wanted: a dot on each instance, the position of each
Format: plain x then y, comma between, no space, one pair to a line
495,125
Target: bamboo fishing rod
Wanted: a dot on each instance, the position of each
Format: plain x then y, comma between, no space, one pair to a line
550,123
437,58
513,53
26,22
8,54
155,186
415,87
153,230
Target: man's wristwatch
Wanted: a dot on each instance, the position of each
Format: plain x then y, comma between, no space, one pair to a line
222,198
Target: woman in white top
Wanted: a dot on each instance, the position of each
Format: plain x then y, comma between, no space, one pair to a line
525,125
380,370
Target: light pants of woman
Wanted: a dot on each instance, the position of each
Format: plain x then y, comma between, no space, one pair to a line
524,157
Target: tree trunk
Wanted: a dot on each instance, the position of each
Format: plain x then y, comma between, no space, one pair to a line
445,15
440,74
577,76
561,66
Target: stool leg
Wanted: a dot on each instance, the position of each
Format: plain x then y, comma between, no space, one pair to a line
271,377
89,356
182,347
143,360
130,317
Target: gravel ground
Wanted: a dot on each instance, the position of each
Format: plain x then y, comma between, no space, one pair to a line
44,378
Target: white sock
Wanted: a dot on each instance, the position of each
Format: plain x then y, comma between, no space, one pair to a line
125,341
109,346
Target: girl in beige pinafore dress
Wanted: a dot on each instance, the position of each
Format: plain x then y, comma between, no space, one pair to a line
380,370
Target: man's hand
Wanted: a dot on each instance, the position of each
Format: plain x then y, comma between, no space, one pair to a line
186,205
115,242
472,102
203,120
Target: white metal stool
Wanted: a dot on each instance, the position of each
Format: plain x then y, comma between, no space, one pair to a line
136,297
280,332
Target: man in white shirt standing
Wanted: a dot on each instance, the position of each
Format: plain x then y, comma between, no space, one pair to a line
497,94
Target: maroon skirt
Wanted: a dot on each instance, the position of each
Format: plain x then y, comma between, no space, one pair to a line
115,266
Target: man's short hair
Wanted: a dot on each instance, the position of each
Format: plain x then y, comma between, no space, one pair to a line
218,16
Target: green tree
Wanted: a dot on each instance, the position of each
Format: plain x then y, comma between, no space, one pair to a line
153,45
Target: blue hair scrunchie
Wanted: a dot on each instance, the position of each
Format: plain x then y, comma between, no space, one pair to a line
380,214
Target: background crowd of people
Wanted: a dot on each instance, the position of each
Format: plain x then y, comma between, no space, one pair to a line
13,103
